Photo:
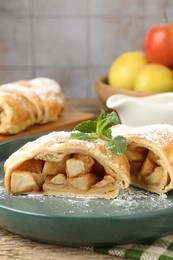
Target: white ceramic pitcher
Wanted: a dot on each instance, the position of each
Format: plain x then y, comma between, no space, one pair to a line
135,111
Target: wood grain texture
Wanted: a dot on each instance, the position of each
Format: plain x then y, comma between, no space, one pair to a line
15,247
66,121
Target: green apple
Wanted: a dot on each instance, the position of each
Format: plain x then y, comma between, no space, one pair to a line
154,78
123,71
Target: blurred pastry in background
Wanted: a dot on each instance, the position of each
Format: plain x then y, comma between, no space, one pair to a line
30,102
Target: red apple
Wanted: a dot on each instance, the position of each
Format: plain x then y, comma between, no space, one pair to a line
158,44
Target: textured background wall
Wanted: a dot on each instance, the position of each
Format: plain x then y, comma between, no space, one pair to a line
72,41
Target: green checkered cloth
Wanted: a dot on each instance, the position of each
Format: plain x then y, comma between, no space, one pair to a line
161,249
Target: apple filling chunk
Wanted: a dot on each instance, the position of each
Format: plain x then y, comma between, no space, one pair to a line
145,167
53,168
79,164
59,179
78,172
155,177
23,181
83,182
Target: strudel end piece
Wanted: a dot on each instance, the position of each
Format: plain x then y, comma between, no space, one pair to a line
150,155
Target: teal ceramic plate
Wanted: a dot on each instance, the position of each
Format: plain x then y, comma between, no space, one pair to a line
135,215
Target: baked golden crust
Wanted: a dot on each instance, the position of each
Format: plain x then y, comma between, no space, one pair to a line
150,154
55,164
26,103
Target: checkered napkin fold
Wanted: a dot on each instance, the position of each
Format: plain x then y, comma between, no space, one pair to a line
161,249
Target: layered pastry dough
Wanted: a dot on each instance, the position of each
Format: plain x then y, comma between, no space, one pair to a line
25,103
150,154
56,164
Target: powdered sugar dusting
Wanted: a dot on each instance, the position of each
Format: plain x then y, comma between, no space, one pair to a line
161,134
45,87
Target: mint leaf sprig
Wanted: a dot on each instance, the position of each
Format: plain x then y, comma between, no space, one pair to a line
101,128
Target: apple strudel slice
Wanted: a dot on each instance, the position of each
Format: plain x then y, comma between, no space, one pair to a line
56,164
150,155
26,103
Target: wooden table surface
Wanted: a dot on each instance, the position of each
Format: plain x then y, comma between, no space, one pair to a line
13,246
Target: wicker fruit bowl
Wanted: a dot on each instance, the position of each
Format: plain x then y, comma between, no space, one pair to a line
104,90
